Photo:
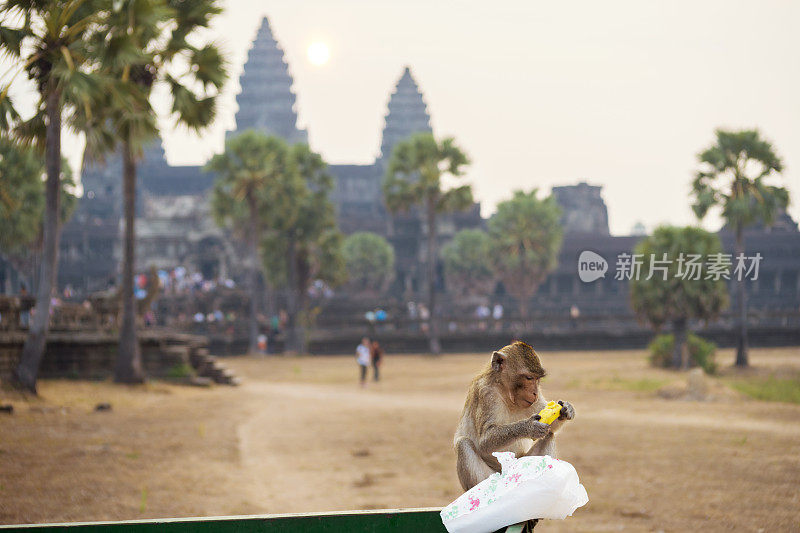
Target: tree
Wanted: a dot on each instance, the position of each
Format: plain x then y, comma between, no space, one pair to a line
414,179
143,43
22,197
525,235
468,263
732,176
49,42
672,288
302,243
253,173
369,259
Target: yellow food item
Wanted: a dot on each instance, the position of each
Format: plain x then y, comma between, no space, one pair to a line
550,412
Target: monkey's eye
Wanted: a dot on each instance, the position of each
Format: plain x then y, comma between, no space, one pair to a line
529,378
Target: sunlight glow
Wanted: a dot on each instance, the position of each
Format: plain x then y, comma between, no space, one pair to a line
318,53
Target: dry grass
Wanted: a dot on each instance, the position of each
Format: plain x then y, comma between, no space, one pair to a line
300,435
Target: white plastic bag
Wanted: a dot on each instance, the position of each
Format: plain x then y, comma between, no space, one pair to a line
527,488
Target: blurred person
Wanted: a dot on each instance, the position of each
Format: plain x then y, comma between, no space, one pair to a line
262,344
377,355
497,315
424,315
574,315
363,357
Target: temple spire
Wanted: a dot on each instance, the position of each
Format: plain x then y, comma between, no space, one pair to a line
266,101
407,113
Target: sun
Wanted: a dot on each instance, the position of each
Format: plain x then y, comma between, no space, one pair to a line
318,53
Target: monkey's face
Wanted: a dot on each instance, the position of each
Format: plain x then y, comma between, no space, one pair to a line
519,371
525,389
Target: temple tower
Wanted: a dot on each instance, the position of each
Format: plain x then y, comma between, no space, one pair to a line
267,102
583,209
407,114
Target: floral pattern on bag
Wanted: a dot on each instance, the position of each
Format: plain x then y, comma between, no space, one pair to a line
514,472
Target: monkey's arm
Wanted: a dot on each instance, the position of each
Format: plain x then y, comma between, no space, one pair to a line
496,436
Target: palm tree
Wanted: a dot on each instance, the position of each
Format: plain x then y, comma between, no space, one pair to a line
144,42
525,238
677,291
732,177
49,42
302,223
414,178
251,164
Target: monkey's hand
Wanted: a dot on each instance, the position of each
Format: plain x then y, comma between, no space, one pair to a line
567,411
537,429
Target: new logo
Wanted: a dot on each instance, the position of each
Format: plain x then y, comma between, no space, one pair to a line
591,266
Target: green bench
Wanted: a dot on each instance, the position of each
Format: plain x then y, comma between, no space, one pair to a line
379,521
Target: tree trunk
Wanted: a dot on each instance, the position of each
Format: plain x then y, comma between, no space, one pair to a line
253,276
741,348
524,297
433,329
129,358
33,351
680,352
295,336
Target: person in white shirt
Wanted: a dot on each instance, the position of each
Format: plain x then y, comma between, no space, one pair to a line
363,358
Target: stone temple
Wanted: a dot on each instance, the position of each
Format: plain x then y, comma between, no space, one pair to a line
174,226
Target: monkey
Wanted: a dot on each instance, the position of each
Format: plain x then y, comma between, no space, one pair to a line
500,414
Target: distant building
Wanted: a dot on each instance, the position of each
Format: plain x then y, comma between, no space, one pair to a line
582,209
173,219
267,101
174,225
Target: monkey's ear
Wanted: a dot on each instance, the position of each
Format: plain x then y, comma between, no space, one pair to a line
498,358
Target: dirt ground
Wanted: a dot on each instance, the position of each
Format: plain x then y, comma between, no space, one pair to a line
300,435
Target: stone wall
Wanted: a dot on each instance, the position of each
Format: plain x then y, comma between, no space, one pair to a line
85,355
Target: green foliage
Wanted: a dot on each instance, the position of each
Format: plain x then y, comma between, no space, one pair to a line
468,262
49,41
183,370
145,44
414,175
732,176
660,300
525,235
282,192
255,174
369,259
701,352
22,196
302,217
770,389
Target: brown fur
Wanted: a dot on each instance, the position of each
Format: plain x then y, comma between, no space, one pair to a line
500,414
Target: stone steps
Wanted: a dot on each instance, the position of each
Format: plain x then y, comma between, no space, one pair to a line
207,366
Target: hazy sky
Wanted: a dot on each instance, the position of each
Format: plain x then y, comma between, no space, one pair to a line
621,94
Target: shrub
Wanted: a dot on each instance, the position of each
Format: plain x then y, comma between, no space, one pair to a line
182,370
701,352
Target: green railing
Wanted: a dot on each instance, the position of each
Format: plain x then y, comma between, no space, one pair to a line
381,521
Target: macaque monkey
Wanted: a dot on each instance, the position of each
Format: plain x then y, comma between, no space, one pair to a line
500,414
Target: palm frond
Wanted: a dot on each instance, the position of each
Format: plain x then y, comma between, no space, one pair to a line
192,111
208,66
